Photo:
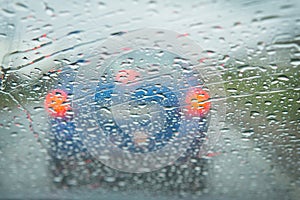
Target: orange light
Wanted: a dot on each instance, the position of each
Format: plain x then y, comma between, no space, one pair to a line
197,103
140,138
57,103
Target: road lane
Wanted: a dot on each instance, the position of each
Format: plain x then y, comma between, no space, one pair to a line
240,171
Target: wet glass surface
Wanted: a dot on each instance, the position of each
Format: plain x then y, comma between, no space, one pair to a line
149,100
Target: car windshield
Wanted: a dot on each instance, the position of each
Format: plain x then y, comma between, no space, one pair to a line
149,99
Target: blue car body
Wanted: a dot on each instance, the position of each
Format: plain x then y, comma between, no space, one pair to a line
66,140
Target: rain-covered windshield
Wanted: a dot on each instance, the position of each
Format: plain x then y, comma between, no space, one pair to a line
149,99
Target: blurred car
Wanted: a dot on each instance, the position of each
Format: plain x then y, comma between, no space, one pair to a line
144,101
250,65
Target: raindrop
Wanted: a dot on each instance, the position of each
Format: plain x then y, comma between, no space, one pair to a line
254,114
14,134
268,103
232,90
49,10
248,133
283,78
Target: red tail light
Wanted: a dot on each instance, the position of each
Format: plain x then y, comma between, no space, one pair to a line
197,103
57,103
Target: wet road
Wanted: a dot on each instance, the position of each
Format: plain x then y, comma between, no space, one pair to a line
239,172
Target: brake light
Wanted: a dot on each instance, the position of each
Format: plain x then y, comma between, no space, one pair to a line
197,103
57,103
